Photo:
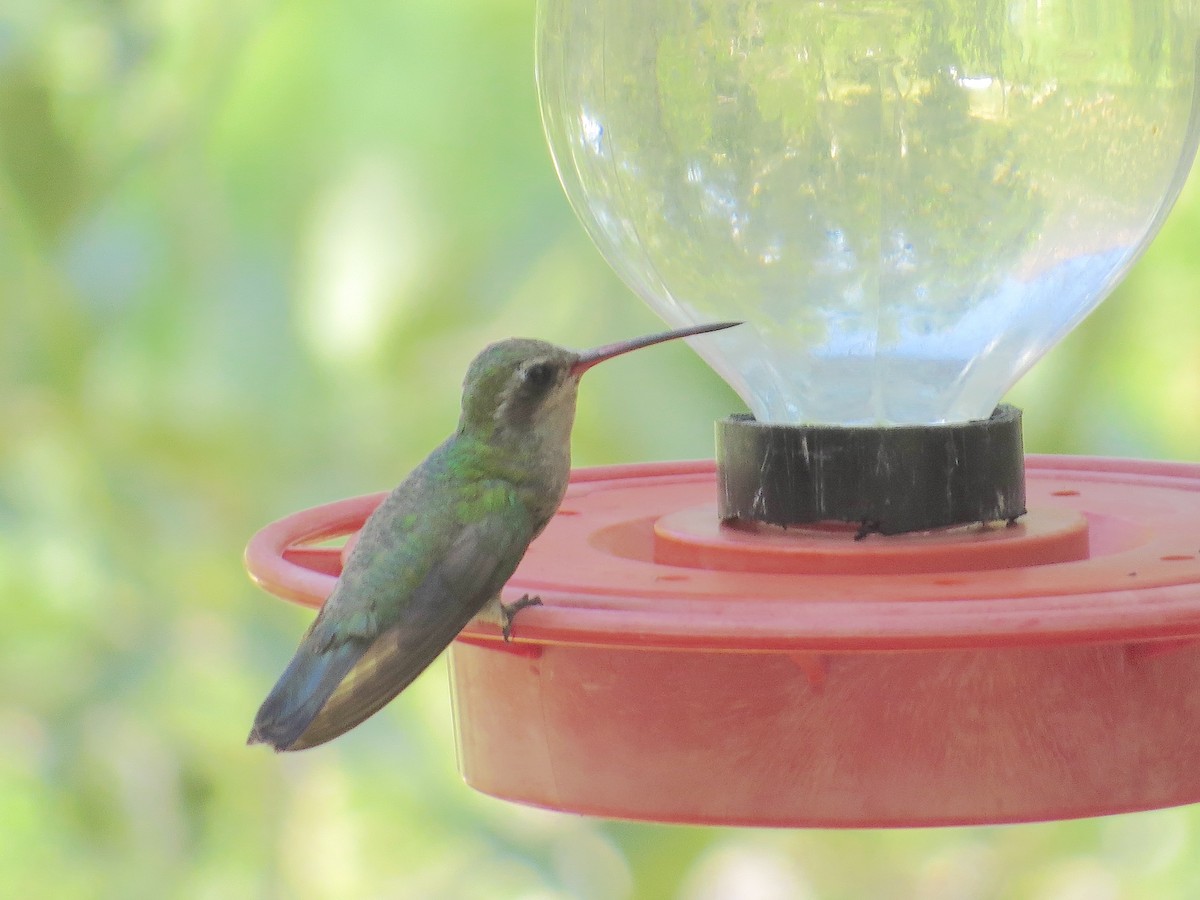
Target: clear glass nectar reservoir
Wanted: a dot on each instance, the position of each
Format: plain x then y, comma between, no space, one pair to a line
908,202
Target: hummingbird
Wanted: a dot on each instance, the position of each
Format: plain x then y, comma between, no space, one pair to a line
436,552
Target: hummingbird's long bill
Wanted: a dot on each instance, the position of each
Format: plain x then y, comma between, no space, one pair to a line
589,358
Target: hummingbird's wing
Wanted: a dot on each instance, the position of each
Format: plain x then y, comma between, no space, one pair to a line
473,570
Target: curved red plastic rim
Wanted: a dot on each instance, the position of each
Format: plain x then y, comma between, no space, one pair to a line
1110,551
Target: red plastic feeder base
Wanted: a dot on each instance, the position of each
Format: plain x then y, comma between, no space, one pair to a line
683,671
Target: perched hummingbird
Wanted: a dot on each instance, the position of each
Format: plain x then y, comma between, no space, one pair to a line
439,548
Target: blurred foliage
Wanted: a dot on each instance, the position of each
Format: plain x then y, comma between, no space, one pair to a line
246,251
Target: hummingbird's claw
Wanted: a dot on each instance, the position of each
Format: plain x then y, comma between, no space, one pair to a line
509,612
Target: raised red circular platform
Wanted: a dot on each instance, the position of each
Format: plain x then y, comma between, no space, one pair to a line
684,671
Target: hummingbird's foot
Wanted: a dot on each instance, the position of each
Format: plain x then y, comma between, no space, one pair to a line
508,612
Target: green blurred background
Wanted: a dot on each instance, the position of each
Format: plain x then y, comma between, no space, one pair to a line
246,252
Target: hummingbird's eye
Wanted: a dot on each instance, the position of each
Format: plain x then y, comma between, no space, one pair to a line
539,375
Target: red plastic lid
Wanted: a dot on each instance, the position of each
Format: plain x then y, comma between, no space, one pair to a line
1110,550
687,672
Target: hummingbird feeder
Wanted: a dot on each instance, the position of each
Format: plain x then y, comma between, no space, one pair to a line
872,609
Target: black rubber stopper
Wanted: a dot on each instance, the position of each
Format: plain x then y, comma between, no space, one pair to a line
888,480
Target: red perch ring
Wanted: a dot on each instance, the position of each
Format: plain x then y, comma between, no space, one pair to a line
683,671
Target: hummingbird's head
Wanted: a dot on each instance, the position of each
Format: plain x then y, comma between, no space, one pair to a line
521,385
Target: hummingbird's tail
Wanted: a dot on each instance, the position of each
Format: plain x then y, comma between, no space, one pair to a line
308,681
